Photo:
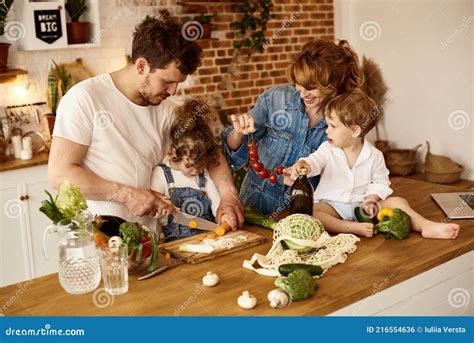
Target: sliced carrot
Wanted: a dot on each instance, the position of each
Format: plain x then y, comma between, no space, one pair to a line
222,229
193,224
204,236
99,239
168,256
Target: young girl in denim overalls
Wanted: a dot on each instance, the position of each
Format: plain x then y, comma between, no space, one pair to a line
183,176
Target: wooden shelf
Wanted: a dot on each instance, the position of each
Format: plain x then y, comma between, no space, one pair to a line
11,74
208,2
15,163
25,13
188,8
202,6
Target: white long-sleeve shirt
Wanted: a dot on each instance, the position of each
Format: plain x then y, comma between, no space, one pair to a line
369,175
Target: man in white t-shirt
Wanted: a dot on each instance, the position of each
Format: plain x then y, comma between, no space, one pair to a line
111,129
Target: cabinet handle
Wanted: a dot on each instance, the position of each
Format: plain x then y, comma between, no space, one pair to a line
22,198
27,197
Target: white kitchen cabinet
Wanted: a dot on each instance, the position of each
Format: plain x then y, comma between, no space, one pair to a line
22,226
14,256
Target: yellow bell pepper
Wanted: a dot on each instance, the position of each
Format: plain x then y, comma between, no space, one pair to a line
384,212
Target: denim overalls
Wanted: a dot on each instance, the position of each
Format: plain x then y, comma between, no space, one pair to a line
191,201
283,137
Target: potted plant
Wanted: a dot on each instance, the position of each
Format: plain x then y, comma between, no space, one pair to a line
205,21
4,8
77,31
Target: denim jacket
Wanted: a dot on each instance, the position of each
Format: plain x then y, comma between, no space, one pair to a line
282,136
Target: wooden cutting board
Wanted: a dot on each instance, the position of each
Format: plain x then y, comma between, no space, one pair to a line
173,247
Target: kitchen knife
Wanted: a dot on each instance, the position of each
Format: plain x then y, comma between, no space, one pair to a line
202,224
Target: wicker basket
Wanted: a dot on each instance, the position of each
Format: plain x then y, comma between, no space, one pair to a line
441,169
446,177
383,146
402,161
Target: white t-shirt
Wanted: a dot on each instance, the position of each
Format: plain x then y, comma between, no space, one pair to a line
338,182
159,184
126,141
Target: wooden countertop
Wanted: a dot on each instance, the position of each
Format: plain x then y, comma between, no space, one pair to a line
179,290
38,159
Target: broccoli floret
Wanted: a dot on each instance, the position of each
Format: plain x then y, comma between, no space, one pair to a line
299,284
132,234
397,225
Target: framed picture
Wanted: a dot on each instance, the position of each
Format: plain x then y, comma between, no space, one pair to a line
43,24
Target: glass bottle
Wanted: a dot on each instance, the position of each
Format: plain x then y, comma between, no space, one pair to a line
302,194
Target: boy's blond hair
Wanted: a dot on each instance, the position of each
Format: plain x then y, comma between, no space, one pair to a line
354,108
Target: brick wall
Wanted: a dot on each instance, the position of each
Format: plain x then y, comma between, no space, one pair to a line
296,22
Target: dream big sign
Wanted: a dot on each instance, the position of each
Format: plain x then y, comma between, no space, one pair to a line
48,25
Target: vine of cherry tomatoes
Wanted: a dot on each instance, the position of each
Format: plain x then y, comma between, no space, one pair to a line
258,166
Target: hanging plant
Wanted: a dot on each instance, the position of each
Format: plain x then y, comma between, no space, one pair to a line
252,28
253,25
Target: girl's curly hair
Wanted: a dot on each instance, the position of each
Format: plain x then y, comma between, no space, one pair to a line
191,134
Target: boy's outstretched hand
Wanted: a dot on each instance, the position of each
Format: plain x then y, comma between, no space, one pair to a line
290,174
300,165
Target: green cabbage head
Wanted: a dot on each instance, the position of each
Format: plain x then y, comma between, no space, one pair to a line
69,200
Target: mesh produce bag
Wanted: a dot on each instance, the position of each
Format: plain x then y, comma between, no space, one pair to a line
301,238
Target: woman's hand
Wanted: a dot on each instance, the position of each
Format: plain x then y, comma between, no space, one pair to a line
289,176
244,124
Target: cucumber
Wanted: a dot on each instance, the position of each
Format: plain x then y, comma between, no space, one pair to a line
363,217
286,269
300,249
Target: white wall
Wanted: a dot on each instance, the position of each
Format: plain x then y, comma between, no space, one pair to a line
425,50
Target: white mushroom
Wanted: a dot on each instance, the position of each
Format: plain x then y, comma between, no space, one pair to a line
114,242
210,279
278,298
247,301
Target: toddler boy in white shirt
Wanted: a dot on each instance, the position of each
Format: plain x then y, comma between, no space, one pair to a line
353,173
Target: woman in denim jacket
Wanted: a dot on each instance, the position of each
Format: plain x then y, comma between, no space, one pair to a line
287,122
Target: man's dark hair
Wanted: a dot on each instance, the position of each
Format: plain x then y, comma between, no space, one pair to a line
160,42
